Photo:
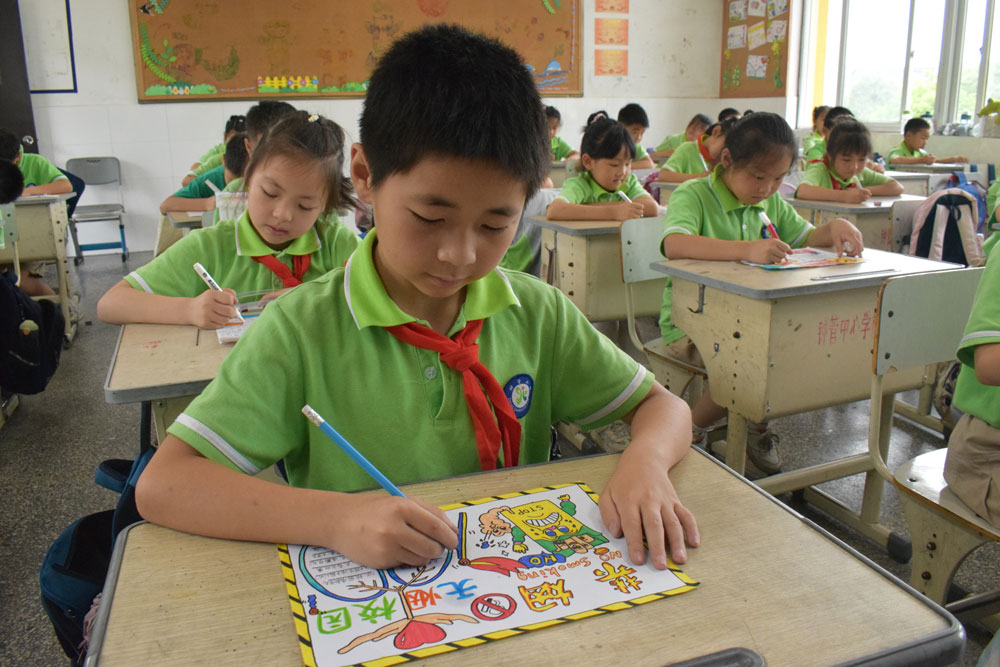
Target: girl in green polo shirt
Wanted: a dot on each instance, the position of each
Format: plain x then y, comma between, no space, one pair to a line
842,176
697,158
607,190
294,177
727,216
560,149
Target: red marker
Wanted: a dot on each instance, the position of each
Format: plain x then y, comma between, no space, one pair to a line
769,226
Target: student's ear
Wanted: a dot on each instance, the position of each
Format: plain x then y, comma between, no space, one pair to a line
587,161
247,145
726,159
361,175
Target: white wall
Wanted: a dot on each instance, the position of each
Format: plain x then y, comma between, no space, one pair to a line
674,60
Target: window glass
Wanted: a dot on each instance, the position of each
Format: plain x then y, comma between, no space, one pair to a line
993,75
874,59
928,22
975,24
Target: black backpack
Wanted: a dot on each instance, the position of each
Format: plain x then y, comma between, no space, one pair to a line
31,339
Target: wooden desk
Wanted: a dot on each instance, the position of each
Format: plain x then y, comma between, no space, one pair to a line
41,224
560,171
770,581
186,219
943,168
664,190
583,259
913,183
166,364
875,217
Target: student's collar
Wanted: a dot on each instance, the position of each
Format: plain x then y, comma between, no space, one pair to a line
726,198
371,305
834,176
249,243
703,149
596,187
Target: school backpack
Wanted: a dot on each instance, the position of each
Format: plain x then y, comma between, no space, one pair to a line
944,228
31,338
76,564
978,192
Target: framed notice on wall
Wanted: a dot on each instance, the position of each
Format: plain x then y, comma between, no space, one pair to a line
200,50
754,48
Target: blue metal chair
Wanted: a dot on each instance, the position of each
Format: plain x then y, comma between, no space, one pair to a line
98,171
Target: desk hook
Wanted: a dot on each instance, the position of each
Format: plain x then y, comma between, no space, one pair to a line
701,300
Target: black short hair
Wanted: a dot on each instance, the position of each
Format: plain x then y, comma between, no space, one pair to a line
726,125
633,114
699,119
263,115
11,182
447,91
552,112
302,136
849,137
604,138
236,156
747,112
819,111
236,123
834,114
760,135
10,145
916,125
727,113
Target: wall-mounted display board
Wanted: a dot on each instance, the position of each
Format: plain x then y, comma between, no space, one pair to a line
210,49
754,48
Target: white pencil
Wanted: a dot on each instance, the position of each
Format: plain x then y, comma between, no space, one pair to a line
623,196
212,285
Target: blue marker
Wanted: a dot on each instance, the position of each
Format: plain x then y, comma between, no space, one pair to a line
349,449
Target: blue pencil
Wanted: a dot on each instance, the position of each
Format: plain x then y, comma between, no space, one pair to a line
349,449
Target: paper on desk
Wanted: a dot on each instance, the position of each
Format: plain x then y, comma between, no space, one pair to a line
233,329
524,562
808,258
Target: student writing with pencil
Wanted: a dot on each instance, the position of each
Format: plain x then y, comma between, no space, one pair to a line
294,177
469,364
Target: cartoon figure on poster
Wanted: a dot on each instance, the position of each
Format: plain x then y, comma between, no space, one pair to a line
523,562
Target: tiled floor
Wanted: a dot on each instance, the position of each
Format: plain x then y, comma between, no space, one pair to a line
54,441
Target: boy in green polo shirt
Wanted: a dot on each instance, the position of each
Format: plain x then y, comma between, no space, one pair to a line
697,126
635,120
972,468
916,132
373,346
559,148
842,175
213,157
695,159
819,116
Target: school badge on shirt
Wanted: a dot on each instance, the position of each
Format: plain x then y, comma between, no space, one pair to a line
519,389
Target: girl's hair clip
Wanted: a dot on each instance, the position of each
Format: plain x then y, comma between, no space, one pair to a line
599,115
313,118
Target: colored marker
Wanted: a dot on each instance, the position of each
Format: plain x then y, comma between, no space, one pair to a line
769,226
349,449
210,281
623,196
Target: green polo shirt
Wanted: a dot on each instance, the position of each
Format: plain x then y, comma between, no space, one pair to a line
640,153
198,188
903,151
822,176
706,207
583,189
227,249
816,151
809,141
972,396
211,163
560,148
218,149
323,344
687,159
674,142
992,226
38,171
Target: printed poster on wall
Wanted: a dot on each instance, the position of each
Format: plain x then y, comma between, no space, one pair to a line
737,11
776,8
777,31
610,62
525,563
757,67
611,6
737,38
756,36
611,32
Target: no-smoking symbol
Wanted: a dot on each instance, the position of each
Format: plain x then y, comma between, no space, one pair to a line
493,606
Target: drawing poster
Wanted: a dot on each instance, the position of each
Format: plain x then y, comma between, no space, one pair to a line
524,563
808,258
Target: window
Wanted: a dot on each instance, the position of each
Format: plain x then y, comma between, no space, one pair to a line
874,92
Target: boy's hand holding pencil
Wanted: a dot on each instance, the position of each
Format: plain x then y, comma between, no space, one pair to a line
212,309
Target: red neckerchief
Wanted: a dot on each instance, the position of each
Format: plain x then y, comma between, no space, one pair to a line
299,262
461,353
834,183
704,151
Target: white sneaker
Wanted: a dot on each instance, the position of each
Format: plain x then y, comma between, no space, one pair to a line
762,451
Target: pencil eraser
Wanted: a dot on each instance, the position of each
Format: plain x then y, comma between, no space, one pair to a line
877,203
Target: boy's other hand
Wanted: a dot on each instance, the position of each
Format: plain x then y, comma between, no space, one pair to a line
928,159
639,501
212,309
627,210
857,195
843,231
767,251
386,531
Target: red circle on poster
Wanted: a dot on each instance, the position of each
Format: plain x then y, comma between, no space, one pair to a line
493,606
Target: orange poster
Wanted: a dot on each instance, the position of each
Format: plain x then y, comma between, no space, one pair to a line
611,6
611,32
610,62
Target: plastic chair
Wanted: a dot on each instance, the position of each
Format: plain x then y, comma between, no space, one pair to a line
98,171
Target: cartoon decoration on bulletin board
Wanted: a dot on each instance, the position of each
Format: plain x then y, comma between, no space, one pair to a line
207,49
754,48
524,562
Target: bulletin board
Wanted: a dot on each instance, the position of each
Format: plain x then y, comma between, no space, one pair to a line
210,49
754,48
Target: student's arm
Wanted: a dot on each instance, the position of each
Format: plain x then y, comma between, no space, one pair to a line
987,359
54,188
649,205
834,233
644,163
670,176
572,154
952,159
183,490
640,498
175,203
209,310
560,209
888,189
691,246
661,155
922,159
817,193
